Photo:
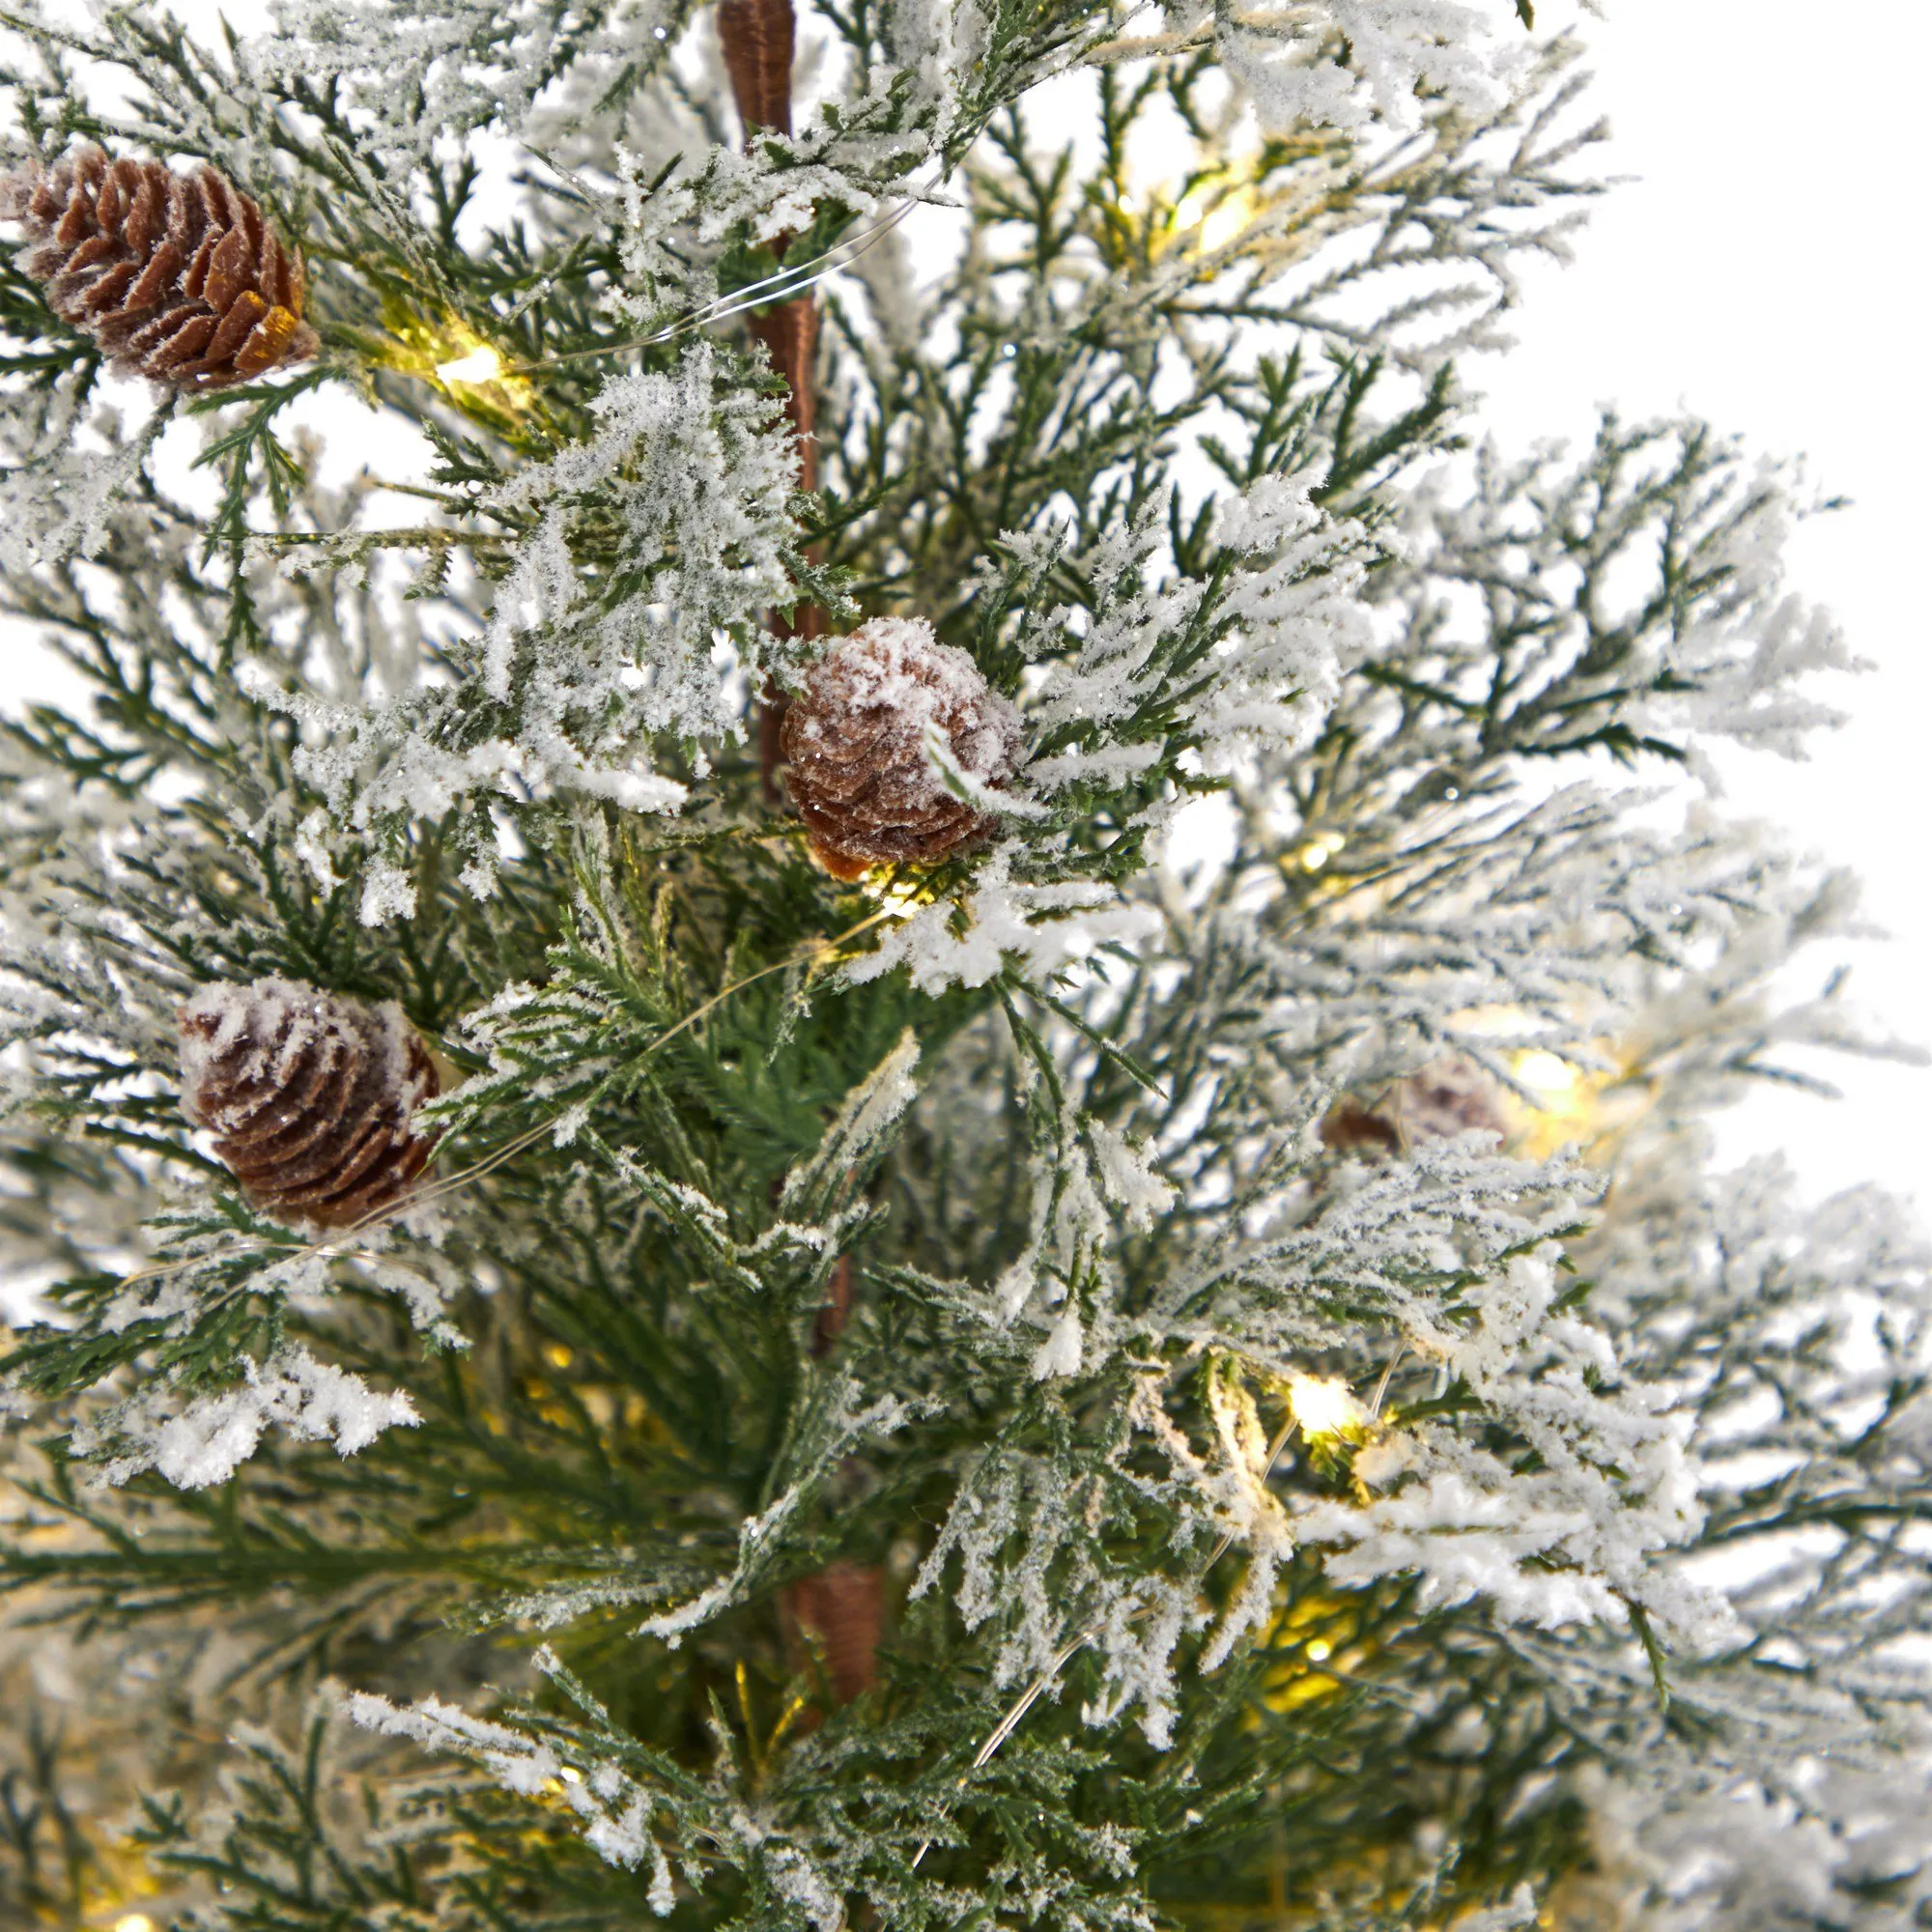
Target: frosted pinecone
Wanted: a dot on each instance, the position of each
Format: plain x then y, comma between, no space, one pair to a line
855,747
309,1097
1449,1096
178,276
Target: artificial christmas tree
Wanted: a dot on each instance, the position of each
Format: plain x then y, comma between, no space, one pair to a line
1013,838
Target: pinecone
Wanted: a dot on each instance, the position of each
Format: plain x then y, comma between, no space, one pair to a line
1350,1127
1447,1098
176,276
854,743
308,1096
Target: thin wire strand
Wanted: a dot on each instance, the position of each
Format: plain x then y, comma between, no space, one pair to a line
1034,1691
783,286
1382,1386
447,1184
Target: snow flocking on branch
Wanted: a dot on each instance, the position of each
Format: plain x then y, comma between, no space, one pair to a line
1350,64
613,1809
1286,623
201,1442
681,497
1214,672
418,80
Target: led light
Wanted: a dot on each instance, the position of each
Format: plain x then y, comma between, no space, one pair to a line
1225,221
135,1921
899,901
1546,1074
1319,1652
480,366
557,1354
1325,1407
1318,852
1217,217
571,1774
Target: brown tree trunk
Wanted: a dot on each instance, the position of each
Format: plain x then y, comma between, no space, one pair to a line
838,1609
789,331
758,38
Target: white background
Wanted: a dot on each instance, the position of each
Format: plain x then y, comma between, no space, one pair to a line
1764,269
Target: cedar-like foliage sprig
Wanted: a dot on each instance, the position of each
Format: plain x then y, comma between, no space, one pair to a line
968,1227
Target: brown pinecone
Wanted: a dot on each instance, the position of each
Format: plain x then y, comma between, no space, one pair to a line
854,743
176,276
308,1096
1449,1096
1350,1127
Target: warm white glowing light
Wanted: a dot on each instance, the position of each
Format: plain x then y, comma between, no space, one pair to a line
1319,851
899,901
1319,1652
1224,222
135,1921
1218,220
1545,1073
1325,1407
480,366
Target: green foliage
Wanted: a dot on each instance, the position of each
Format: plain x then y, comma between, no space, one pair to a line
910,1232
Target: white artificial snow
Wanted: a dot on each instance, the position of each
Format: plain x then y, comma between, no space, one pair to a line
1517,1913
417,78
662,1897
1351,63
574,680
389,894
998,921
864,1119
203,1441
1061,1352
612,1809
1293,615
795,1878
1571,1540
1127,1177
59,503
